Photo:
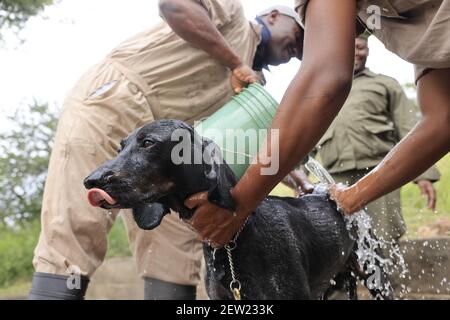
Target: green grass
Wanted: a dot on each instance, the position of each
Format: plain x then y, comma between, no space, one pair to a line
16,254
118,241
414,206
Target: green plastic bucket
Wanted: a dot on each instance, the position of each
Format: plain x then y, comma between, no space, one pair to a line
240,127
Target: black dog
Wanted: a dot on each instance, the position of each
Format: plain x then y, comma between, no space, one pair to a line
289,249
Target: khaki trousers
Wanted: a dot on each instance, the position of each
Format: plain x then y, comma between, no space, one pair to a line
101,110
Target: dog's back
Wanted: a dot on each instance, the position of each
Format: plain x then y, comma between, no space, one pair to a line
290,249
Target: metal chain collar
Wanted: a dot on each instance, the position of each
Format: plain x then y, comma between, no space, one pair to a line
235,284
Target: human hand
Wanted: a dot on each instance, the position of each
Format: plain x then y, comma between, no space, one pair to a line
304,185
427,190
214,225
344,197
241,76
306,188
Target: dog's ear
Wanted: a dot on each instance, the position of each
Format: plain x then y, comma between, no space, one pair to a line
206,171
219,177
149,216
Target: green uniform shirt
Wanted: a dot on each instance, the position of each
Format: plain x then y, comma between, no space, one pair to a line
375,117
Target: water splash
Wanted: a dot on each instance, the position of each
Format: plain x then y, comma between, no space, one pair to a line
319,171
368,247
369,254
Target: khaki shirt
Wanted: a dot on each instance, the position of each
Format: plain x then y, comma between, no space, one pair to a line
416,30
375,117
181,81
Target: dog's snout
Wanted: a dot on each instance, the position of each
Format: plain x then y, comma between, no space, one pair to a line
110,177
99,179
93,180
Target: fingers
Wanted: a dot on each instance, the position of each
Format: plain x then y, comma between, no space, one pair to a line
423,191
431,197
238,90
251,79
196,200
246,78
214,226
428,195
225,234
427,190
307,188
343,197
238,85
241,77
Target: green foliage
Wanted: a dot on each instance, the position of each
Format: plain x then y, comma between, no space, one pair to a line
17,246
15,13
24,156
118,240
414,206
16,252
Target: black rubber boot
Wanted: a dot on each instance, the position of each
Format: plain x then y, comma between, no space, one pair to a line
55,287
161,290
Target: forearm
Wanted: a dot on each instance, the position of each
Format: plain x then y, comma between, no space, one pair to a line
404,121
311,102
309,107
425,145
190,21
404,162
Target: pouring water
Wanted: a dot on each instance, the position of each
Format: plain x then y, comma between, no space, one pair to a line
367,246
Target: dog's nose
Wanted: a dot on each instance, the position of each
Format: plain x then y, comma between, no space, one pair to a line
92,181
98,179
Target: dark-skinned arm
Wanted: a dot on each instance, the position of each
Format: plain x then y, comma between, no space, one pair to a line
313,98
428,142
311,102
190,21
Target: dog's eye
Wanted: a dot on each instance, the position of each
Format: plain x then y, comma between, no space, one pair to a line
147,144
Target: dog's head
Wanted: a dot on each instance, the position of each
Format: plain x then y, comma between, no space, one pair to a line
158,166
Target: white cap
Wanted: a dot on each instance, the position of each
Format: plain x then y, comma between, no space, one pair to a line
284,10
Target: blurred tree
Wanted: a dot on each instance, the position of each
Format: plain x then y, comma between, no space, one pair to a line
15,13
24,156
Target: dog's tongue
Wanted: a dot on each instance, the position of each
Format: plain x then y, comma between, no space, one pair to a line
96,196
